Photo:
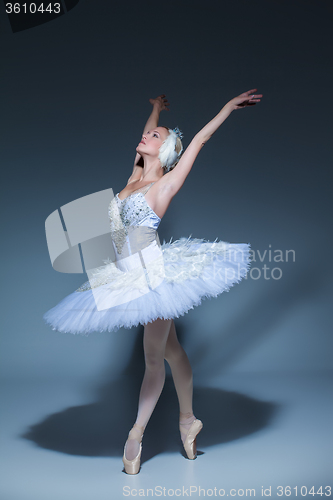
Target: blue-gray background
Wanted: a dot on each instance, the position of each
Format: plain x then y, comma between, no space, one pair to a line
75,97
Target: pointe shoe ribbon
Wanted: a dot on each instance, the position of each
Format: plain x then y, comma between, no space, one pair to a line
190,440
133,466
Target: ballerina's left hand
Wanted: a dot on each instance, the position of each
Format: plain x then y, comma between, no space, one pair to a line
161,101
246,99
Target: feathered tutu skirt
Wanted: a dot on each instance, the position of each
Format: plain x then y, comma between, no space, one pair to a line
159,282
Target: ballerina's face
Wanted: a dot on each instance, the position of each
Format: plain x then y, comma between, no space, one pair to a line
152,141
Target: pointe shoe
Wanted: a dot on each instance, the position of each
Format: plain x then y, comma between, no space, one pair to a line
190,440
133,466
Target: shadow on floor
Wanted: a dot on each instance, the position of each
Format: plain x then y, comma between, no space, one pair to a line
101,428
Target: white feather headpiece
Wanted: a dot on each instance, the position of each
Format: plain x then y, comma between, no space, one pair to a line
168,154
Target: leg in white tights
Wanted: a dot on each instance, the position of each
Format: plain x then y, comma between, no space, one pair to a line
154,341
183,379
160,342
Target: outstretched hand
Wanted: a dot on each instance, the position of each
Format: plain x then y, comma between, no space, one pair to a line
246,99
161,101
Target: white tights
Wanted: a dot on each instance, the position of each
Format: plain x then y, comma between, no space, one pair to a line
160,342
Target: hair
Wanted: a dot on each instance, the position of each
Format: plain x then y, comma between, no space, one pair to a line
178,149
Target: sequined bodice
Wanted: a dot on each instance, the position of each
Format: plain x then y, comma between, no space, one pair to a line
132,216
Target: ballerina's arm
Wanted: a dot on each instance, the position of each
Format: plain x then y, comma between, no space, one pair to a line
171,182
159,103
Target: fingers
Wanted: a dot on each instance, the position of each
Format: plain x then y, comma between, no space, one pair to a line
162,97
253,98
249,100
246,94
245,104
165,101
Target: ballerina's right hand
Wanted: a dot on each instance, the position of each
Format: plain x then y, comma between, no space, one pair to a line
245,99
161,101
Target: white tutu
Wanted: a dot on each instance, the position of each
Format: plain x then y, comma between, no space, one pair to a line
153,281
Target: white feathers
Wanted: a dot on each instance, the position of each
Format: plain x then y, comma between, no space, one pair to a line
168,154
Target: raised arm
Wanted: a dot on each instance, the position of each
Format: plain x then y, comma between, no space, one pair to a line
159,104
174,179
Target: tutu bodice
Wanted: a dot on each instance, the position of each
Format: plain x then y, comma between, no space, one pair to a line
132,214
146,280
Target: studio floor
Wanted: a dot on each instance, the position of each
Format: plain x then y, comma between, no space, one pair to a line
265,434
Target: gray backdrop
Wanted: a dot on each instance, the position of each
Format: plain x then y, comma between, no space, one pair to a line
75,99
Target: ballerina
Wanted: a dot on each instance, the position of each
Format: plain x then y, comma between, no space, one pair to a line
166,281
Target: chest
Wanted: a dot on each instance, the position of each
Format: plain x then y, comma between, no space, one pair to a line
130,211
